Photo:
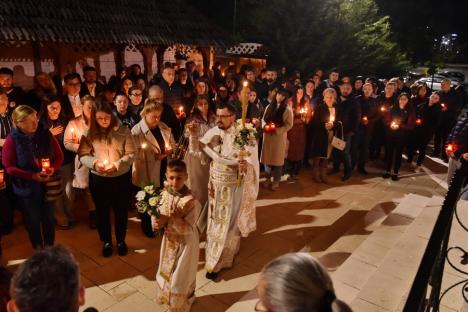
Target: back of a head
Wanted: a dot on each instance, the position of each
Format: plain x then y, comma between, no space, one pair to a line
297,282
48,281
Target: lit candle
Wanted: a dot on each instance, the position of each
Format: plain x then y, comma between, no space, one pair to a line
442,105
45,164
419,121
332,118
223,74
144,145
72,130
364,119
2,176
105,163
244,102
181,109
394,125
145,159
450,148
267,128
383,108
273,126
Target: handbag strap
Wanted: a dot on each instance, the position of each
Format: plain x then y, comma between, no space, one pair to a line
341,127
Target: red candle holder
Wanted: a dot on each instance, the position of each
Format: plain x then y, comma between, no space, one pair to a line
45,165
450,148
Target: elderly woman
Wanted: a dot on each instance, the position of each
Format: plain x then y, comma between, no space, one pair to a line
154,141
108,151
30,155
322,134
277,121
297,282
75,130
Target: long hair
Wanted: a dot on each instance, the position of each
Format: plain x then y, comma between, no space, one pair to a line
52,88
196,113
294,97
297,282
95,131
46,101
275,110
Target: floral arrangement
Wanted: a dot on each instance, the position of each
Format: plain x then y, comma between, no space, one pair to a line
245,136
149,200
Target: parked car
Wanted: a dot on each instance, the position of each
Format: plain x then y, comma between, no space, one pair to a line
435,83
453,75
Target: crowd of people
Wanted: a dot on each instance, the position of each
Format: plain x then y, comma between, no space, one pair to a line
106,141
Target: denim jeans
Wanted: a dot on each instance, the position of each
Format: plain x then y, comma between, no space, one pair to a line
274,171
344,155
39,220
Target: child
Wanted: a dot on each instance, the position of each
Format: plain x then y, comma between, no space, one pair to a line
179,250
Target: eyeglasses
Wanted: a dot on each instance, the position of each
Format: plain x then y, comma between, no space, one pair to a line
76,84
223,116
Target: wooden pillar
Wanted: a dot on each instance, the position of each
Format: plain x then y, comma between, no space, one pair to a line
119,57
206,54
36,53
147,53
160,57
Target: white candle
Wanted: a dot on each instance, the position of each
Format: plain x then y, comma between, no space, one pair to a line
332,118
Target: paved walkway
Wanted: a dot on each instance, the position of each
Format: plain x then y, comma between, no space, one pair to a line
300,216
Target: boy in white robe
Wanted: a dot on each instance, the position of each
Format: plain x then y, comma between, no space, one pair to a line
179,250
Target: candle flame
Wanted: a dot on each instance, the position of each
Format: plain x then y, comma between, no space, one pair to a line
332,118
246,83
144,145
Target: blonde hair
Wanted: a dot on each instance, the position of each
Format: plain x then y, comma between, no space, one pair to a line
22,112
330,90
151,106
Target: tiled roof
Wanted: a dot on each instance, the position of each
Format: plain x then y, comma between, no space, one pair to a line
149,22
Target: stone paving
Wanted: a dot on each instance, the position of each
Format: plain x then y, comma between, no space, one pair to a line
299,216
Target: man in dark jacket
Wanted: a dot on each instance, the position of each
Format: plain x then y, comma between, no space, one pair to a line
458,151
370,114
90,85
347,124
331,82
16,95
173,92
451,106
71,100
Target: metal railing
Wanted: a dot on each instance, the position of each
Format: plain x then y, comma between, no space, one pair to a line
425,294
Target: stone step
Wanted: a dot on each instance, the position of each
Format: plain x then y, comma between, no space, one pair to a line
352,275
392,273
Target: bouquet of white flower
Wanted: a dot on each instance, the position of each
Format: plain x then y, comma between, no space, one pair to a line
149,200
245,136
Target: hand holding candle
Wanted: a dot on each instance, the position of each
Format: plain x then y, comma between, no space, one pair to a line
2,178
45,165
383,108
444,107
418,121
450,149
365,120
394,125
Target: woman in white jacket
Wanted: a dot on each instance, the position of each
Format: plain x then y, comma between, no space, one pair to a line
154,142
76,128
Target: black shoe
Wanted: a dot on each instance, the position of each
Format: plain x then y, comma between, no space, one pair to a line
149,234
363,171
122,249
346,176
211,275
386,175
395,177
92,220
107,250
445,159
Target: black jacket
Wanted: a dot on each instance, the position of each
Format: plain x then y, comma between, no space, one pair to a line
370,109
459,136
318,134
348,111
429,117
98,89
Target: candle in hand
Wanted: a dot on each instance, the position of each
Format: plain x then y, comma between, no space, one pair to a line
181,109
332,118
418,121
144,145
244,102
72,131
450,148
394,125
383,108
2,176
364,119
45,164
105,163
